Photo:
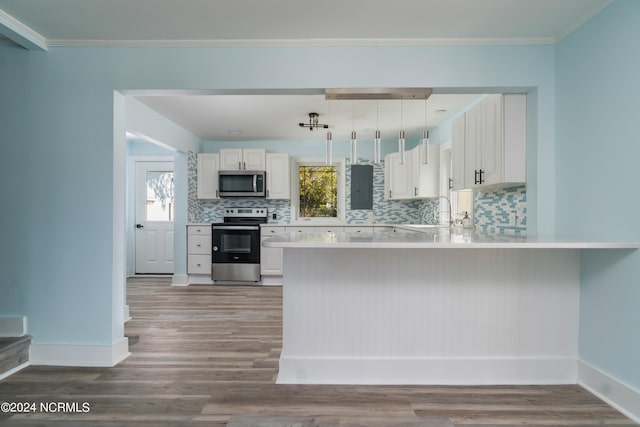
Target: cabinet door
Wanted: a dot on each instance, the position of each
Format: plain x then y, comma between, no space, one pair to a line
399,177
253,159
472,145
207,175
426,177
270,260
491,157
458,153
230,159
278,176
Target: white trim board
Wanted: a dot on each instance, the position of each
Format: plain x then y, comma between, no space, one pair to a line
13,326
14,370
616,393
79,355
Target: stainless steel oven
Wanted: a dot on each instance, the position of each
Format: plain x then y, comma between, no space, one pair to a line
236,245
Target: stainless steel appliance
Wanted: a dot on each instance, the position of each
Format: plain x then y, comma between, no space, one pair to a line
242,183
236,245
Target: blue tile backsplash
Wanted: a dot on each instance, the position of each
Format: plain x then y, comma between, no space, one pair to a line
491,208
501,211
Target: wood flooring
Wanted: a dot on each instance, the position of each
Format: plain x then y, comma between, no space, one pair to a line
205,355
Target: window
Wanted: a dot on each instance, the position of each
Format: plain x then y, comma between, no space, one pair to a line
319,192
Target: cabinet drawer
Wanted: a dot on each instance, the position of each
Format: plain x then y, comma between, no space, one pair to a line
358,229
299,229
199,245
199,230
199,264
271,231
329,229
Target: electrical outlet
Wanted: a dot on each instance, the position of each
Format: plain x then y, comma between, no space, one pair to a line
274,216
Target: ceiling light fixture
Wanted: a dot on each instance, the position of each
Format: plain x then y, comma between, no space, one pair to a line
376,139
401,154
329,144
354,155
425,138
313,123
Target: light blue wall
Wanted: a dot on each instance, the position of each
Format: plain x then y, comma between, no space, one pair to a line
598,153
61,218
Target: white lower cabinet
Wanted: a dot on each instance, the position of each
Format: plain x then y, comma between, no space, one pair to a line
270,258
199,249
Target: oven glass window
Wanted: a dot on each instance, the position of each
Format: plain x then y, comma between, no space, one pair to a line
236,243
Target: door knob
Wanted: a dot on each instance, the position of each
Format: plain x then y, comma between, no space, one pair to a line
139,226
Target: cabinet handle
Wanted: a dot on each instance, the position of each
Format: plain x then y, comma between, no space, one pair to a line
239,166
415,191
450,184
481,176
390,193
267,194
217,194
199,245
476,180
244,165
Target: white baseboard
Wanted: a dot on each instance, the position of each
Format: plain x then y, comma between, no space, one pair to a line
14,370
200,280
426,371
272,280
179,280
79,355
15,326
624,398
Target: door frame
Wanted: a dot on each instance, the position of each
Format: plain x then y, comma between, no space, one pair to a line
130,235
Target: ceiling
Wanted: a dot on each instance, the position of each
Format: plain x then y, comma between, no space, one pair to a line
40,24
82,22
277,117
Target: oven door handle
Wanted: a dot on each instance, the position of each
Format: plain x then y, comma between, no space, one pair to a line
236,227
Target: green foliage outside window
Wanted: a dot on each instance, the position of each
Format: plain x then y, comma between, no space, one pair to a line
318,191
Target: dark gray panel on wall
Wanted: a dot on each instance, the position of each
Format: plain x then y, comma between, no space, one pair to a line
361,187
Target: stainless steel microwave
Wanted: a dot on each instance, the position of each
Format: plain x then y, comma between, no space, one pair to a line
242,183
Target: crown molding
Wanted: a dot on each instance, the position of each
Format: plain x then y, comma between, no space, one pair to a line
21,34
301,42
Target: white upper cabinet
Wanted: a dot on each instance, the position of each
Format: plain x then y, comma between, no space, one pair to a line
278,176
251,159
490,150
425,177
457,153
207,175
397,177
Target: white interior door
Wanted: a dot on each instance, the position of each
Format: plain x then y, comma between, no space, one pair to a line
154,217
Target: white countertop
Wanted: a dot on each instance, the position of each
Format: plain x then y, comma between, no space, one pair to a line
434,237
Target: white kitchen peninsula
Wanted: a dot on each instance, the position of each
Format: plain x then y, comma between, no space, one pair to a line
431,307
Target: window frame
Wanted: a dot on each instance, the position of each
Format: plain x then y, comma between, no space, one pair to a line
295,191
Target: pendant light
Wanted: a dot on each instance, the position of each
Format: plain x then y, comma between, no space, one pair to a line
425,138
354,155
329,144
401,156
376,140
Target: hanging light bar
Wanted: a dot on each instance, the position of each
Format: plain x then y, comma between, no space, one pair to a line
401,155
354,155
329,147
376,139
425,138
329,144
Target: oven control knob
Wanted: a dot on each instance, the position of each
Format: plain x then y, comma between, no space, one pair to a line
215,249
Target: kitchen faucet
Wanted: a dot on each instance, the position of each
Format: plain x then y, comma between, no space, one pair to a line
450,223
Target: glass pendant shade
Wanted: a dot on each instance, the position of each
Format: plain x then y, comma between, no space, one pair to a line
376,148
354,154
401,156
329,147
425,147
